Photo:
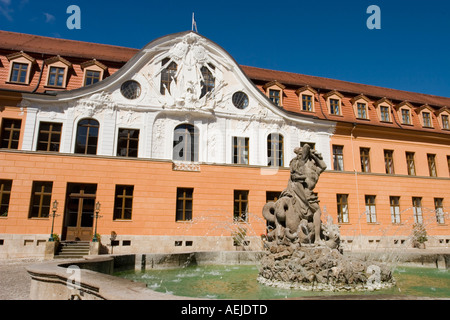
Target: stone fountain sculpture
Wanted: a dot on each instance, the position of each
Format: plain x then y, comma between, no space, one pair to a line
303,252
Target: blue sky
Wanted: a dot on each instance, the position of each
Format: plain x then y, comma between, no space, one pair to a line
329,39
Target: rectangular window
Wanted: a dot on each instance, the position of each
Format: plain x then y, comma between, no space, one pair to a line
240,205
184,204
385,116
5,194
371,212
410,163
439,209
41,199
417,206
10,133
123,202
19,72
306,102
365,159
362,111
334,106
275,150
272,196
49,137
426,119
406,119
274,95
445,122
395,209
56,77
127,143
389,161
91,77
240,150
338,158
342,208
432,165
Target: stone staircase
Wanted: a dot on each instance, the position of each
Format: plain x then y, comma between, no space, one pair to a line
72,249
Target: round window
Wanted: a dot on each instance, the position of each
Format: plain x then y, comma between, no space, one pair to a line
240,100
131,89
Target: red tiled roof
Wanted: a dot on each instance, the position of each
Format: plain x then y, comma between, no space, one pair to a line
68,48
300,80
292,81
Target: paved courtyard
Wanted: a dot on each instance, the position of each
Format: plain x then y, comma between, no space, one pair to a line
14,279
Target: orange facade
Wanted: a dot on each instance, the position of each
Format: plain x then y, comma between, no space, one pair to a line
383,177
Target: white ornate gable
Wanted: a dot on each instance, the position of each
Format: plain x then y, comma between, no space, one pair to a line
156,115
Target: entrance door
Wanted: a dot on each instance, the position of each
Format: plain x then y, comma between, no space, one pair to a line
79,215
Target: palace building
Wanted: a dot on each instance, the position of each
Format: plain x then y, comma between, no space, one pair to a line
176,147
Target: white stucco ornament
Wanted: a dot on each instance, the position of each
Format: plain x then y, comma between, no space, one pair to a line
184,90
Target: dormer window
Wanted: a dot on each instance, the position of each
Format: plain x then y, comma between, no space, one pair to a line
404,112
57,71
306,96
443,116
425,114
383,108
360,106
406,116
334,102
274,91
20,67
93,71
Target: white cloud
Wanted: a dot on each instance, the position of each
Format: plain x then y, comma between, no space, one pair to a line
49,17
5,10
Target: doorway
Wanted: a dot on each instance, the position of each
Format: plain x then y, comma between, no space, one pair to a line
79,212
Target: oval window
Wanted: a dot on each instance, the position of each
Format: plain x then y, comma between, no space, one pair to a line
240,100
131,89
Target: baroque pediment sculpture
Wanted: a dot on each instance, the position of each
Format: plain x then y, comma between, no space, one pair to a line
187,85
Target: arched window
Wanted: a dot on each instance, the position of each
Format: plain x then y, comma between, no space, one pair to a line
207,79
275,150
167,75
87,136
185,143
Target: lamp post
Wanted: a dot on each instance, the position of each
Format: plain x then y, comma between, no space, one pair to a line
97,210
54,208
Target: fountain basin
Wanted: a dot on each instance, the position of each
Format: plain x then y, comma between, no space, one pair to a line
49,280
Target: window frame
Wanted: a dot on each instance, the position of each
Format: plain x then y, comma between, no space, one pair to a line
38,189
5,196
88,137
302,93
189,143
184,217
439,210
166,75
371,210
410,163
432,167
240,213
121,196
389,161
394,206
342,208
208,81
275,156
338,158
22,59
241,151
417,209
128,140
11,133
365,159
50,134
